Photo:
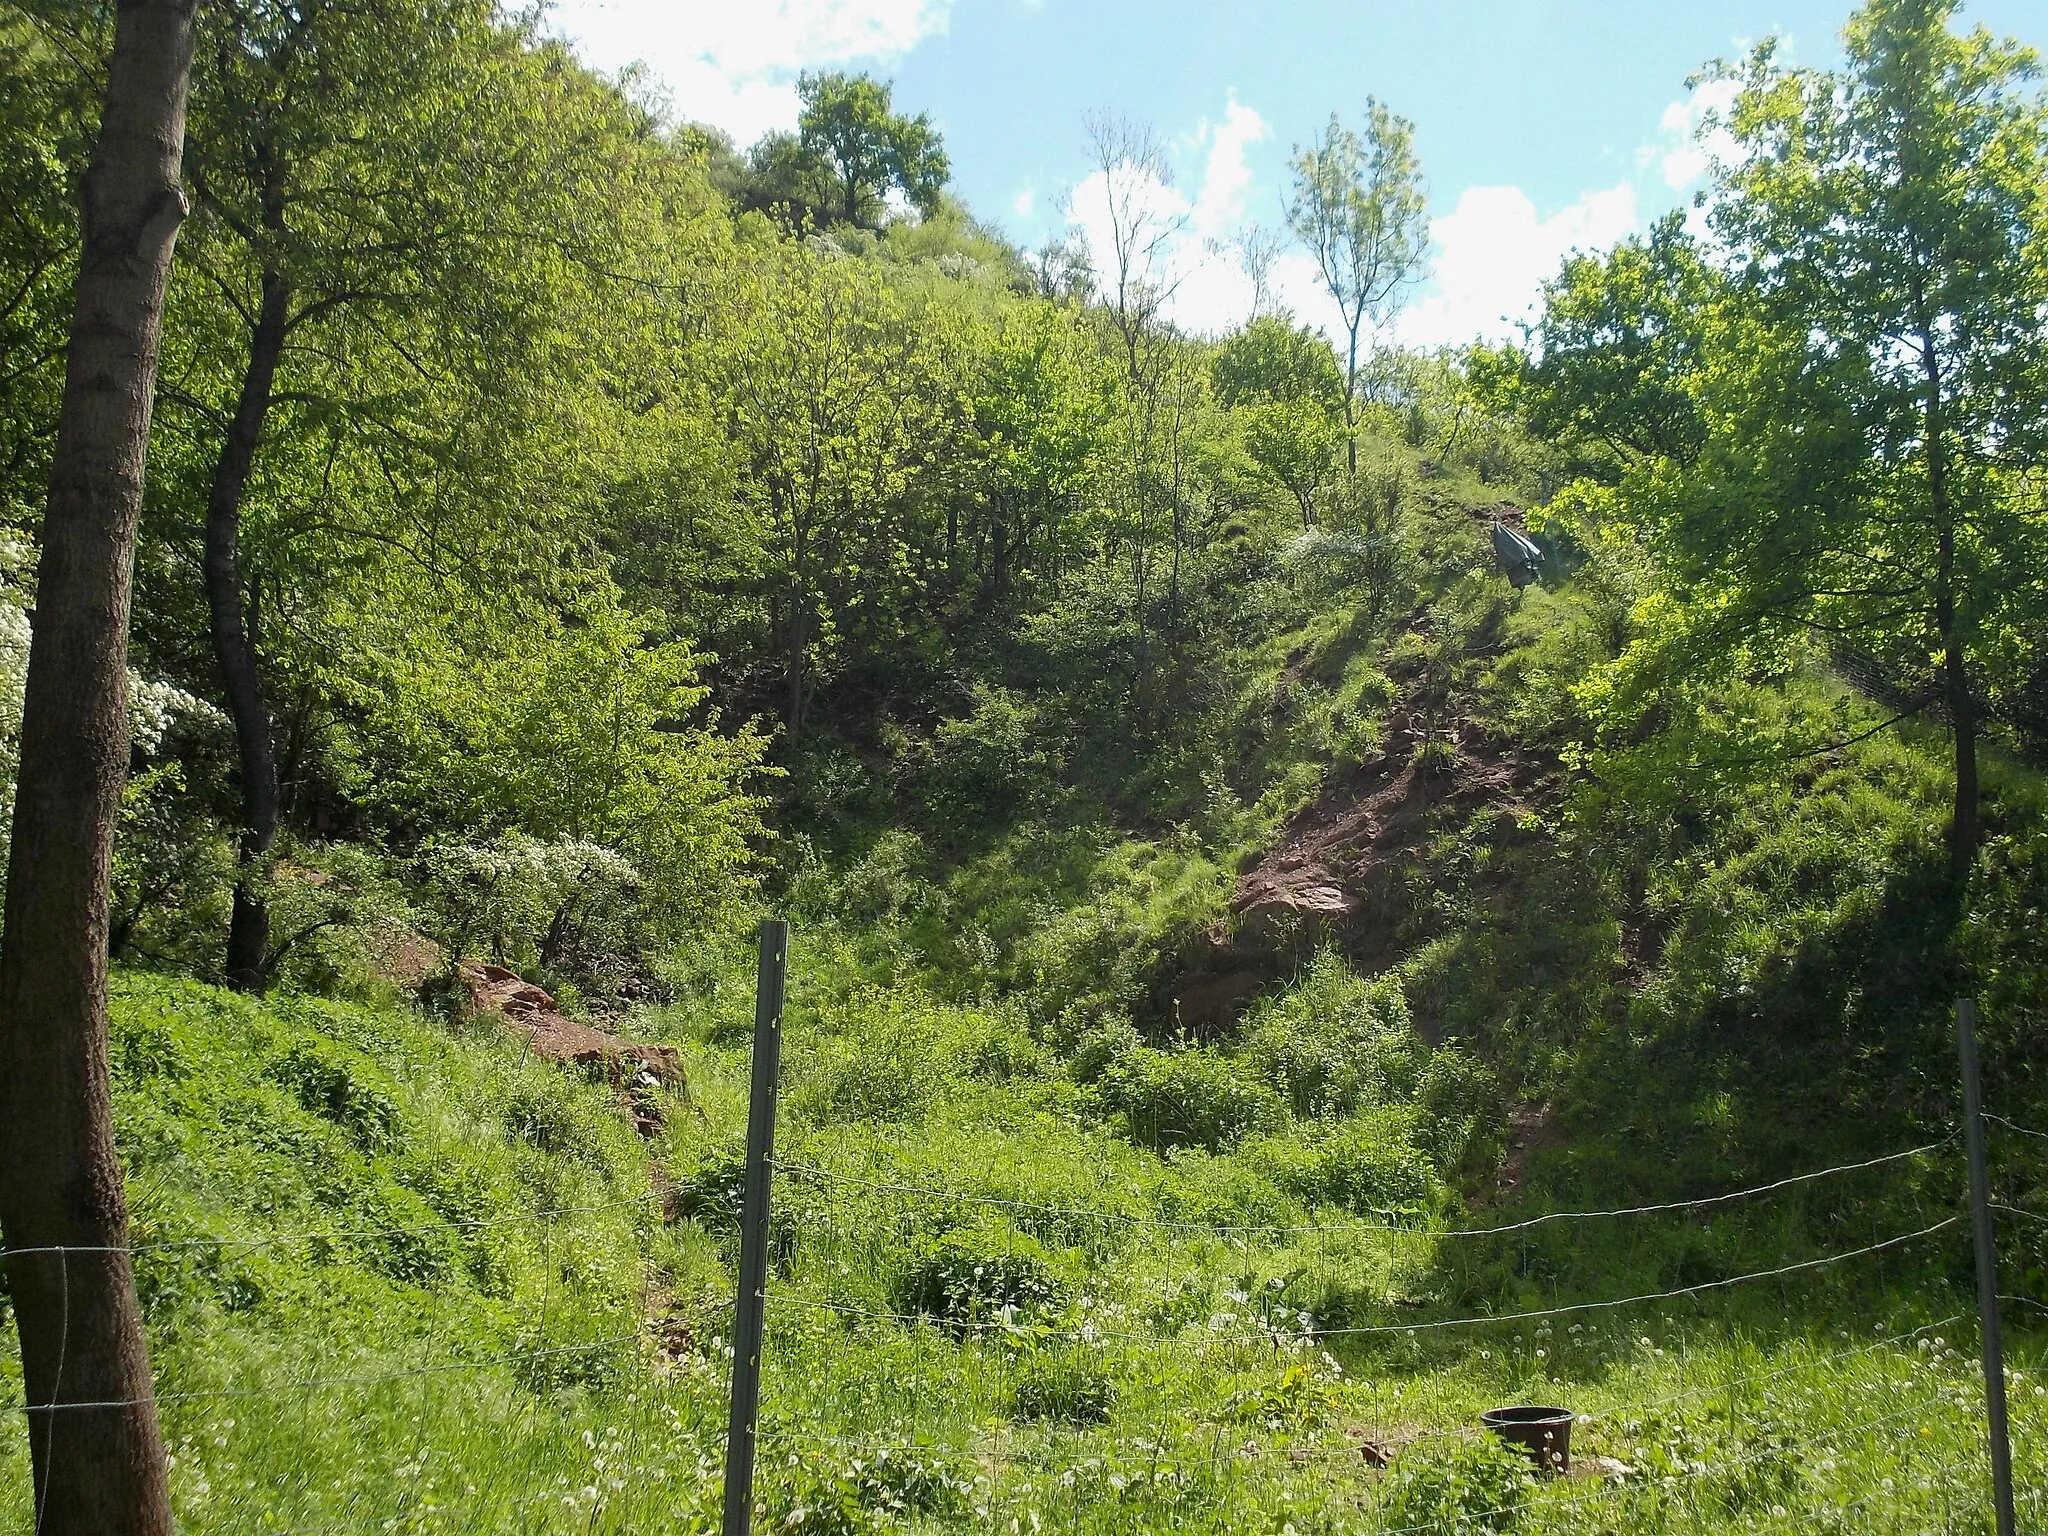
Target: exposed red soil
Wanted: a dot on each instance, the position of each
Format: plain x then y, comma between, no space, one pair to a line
1332,875
533,1014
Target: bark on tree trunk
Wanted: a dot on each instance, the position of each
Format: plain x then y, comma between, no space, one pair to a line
98,1469
234,640
1963,828
1351,405
1955,672
797,642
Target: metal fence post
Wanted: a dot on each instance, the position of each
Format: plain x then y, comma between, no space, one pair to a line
748,1307
1987,1266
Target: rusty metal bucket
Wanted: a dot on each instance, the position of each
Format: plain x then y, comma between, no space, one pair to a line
1545,1433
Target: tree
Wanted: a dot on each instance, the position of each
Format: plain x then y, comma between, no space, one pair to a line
367,312
832,404
46,111
1135,279
1357,204
62,1208
1838,437
1283,383
1040,408
482,721
1898,211
1623,340
848,127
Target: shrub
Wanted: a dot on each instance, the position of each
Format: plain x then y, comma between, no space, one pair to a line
1334,1041
325,1082
1005,1052
1370,1167
887,1056
1455,1098
712,1193
1188,1098
979,1276
1100,1049
1476,1489
884,885
1073,1388
541,1115
991,763
1301,1398
873,1493
577,910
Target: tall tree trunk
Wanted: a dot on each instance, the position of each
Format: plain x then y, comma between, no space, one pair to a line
233,623
1351,403
1964,826
1955,672
1962,706
98,1469
798,614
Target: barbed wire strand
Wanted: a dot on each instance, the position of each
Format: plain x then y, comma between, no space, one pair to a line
1276,1336
308,1384
2013,1210
931,1192
347,1234
2014,1126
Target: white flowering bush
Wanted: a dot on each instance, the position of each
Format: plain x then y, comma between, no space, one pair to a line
155,708
575,909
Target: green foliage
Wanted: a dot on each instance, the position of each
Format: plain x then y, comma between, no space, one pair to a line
1456,1099
846,124
327,1083
874,1493
1305,1395
1476,1488
1370,1166
1192,1097
991,765
1066,1387
712,1193
1815,436
981,1277
587,493
1334,1042
1283,385
1357,205
576,738
889,1055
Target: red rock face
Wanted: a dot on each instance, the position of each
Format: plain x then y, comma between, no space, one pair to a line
1335,873
1290,906
538,1019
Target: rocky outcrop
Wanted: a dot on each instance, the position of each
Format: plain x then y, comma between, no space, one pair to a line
633,1069
1334,876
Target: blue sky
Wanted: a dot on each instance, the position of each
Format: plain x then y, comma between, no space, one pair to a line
1542,124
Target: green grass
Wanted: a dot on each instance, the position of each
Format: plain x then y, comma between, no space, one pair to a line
536,1372
1062,1270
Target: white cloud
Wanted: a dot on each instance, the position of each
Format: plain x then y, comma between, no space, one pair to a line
1185,242
733,63
1219,206
1493,255
1023,202
1694,134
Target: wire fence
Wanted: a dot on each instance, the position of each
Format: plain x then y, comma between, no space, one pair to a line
975,1348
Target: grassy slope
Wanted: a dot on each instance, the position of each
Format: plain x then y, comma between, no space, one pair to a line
249,1123
1738,985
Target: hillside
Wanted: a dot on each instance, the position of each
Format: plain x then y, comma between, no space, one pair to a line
1335,885
400,1270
